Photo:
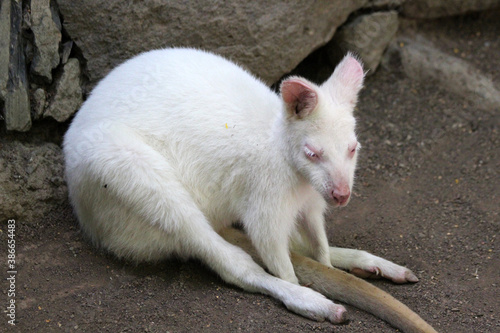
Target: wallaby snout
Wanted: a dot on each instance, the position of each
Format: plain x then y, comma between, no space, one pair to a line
341,195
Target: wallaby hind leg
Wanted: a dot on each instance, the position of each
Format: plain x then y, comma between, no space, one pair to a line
366,265
237,267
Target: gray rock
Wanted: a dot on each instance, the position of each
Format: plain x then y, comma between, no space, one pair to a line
66,51
68,96
27,189
368,36
439,8
421,61
17,109
15,94
47,36
268,37
4,47
40,98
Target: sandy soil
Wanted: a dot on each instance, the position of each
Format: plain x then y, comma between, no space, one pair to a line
427,196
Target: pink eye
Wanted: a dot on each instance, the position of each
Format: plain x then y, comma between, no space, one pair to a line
311,153
352,149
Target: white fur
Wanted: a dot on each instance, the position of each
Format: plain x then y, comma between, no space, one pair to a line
175,144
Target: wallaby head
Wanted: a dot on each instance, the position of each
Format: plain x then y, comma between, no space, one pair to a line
320,129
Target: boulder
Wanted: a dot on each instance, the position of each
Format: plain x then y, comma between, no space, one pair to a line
368,36
68,95
439,8
31,180
424,62
268,37
47,35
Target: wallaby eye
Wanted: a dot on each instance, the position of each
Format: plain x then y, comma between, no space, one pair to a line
311,153
352,148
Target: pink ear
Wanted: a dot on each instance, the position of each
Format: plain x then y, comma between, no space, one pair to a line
347,80
299,96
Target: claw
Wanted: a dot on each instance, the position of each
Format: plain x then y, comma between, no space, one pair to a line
339,315
410,277
372,273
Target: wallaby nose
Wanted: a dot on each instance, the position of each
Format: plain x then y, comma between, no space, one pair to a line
341,196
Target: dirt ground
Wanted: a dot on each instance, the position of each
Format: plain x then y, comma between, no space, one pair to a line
426,196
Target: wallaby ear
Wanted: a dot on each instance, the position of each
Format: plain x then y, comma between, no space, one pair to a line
346,81
299,96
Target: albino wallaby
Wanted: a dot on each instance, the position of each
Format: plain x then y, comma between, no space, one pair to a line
176,144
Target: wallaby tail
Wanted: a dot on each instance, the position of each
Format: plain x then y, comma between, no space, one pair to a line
339,285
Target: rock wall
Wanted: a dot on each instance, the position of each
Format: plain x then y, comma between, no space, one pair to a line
268,37
52,52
